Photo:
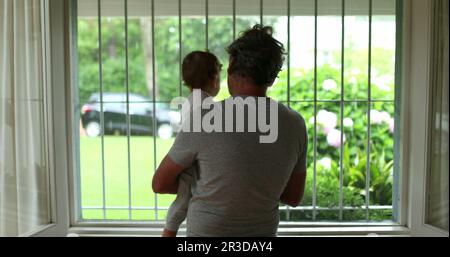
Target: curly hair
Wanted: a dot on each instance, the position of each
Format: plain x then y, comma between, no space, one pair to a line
199,68
257,55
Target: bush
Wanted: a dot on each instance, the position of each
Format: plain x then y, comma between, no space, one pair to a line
354,147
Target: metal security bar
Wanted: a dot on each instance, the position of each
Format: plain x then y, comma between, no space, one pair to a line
314,208
369,107
154,99
102,122
314,196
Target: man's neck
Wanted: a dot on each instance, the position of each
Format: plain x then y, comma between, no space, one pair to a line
245,89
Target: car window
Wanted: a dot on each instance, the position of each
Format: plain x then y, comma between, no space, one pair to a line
94,98
116,98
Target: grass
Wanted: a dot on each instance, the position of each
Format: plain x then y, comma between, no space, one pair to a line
117,177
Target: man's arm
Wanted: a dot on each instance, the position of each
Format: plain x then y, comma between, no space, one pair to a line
165,180
293,193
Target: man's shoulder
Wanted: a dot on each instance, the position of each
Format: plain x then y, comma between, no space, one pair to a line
291,114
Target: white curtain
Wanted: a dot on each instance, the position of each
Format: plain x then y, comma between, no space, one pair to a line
24,204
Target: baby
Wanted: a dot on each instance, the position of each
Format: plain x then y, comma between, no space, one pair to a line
200,71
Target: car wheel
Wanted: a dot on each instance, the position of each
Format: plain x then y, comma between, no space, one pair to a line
165,131
93,129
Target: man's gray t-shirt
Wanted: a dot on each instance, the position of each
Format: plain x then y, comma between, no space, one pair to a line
240,179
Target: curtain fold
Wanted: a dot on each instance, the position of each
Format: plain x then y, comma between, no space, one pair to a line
24,203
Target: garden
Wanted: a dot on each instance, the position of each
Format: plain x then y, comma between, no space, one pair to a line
338,110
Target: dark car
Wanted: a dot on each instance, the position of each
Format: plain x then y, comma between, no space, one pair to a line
115,115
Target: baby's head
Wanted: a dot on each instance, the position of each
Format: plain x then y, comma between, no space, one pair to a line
201,70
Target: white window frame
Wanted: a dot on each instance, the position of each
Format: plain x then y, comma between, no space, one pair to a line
55,82
414,110
418,132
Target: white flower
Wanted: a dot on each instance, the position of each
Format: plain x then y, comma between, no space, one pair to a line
376,117
327,119
385,117
355,71
311,120
383,82
329,84
391,125
334,138
325,163
348,122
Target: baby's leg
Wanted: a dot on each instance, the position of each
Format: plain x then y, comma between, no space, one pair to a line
178,209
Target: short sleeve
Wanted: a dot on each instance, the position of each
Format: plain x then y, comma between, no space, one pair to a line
301,164
185,148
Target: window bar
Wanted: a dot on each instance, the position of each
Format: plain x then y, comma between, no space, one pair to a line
314,200
288,212
206,24
234,20
128,108
76,106
289,53
102,120
261,3
154,103
301,208
180,45
397,104
341,161
368,113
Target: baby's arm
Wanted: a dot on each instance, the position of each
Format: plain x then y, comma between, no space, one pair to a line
178,209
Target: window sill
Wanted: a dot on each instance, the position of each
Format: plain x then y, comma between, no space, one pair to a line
285,230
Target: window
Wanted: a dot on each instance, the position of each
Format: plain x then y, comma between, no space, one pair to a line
340,74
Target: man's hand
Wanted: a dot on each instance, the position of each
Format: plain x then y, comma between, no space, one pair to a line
165,180
293,193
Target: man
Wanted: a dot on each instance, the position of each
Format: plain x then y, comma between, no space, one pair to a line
241,180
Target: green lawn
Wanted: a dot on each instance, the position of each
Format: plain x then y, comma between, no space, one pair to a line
116,176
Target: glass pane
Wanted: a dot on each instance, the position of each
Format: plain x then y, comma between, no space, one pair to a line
307,112
220,36
194,29
247,15
112,214
277,19
91,175
144,157
141,152
383,50
354,159
328,157
381,158
90,172
167,50
356,52
302,51
329,55
113,50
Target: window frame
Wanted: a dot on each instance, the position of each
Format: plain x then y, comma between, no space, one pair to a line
408,171
56,71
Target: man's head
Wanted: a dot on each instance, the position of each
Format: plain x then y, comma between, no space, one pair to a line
201,70
255,57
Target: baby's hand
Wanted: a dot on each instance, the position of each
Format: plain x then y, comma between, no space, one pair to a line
169,233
